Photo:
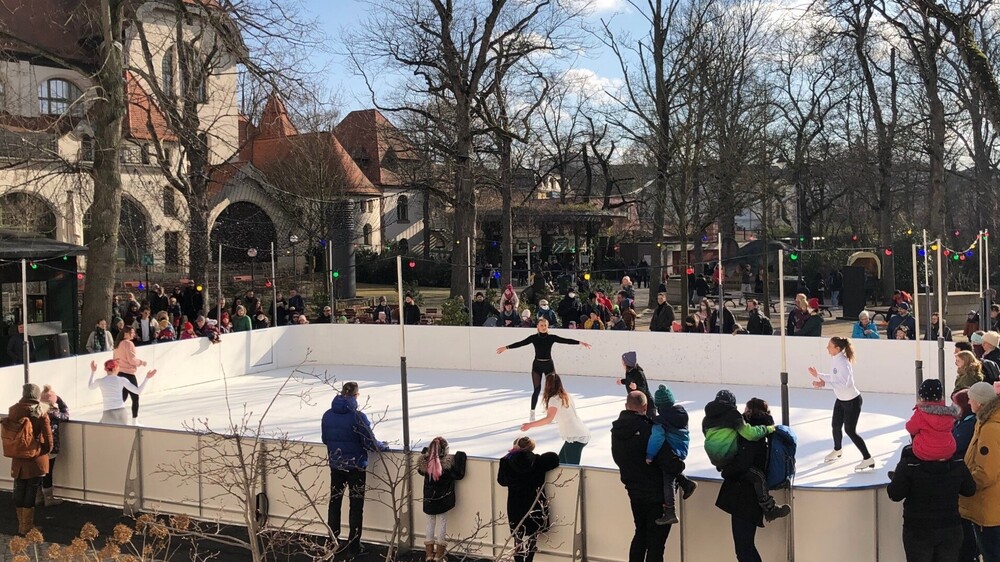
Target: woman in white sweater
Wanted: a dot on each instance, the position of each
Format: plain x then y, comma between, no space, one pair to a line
562,410
111,387
847,408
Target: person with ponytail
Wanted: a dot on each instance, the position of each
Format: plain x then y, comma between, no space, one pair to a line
440,471
522,472
562,411
847,407
128,365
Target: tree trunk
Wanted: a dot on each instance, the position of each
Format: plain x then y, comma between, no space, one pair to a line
107,114
507,220
462,258
427,223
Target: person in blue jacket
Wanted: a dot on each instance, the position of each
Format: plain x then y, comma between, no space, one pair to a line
348,436
864,328
670,427
964,429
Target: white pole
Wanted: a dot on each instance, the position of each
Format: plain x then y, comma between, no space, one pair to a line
785,408
218,280
940,311
979,254
26,344
927,283
274,282
986,276
529,256
722,278
472,276
916,305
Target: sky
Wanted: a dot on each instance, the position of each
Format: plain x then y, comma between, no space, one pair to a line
597,66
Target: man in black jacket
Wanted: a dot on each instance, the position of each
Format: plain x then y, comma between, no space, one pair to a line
757,323
663,316
481,310
629,436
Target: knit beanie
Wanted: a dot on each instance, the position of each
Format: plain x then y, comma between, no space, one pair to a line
976,338
982,392
931,390
992,338
31,392
726,397
630,359
663,397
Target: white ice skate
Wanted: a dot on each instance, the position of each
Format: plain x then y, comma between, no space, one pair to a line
865,464
833,455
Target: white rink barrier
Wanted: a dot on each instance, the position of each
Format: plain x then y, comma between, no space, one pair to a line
882,366
95,458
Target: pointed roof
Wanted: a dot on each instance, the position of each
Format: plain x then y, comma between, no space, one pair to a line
368,136
141,112
268,155
274,121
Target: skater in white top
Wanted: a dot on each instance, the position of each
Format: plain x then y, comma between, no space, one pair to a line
847,408
562,410
111,387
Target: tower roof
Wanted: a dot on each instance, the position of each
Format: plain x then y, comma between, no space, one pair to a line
274,121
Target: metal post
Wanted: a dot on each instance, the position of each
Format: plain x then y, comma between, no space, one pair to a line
986,276
918,363
472,275
147,284
979,254
26,344
927,283
940,310
784,355
218,297
722,288
404,388
274,283
333,280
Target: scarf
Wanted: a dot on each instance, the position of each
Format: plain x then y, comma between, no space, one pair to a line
100,340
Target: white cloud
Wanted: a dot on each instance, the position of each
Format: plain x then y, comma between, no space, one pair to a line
599,6
588,83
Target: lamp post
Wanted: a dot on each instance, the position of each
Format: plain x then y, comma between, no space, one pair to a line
293,240
252,254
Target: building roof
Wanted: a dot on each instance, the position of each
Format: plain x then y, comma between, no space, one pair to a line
372,142
274,121
142,112
24,246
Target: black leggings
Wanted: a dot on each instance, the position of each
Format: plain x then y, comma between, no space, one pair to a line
47,479
538,370
25,491
126,393
846,414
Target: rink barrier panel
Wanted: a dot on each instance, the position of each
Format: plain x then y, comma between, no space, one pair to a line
884,366
94,459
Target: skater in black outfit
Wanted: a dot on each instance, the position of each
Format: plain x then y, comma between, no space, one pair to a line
542,364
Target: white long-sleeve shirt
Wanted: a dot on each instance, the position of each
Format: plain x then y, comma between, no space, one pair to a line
841,379
111,389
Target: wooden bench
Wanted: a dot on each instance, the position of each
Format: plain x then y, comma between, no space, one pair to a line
876,311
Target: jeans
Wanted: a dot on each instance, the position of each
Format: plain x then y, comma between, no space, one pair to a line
969,551
932,545
571,452
126,393
744,533
988,539
25,491
846,414
354,480
649,539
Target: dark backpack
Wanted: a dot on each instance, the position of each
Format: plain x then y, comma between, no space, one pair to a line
766,328
991,372
19,439
781,457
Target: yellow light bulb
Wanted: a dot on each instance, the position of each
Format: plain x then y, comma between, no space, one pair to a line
586,276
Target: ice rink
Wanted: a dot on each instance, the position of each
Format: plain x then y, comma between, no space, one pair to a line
480,413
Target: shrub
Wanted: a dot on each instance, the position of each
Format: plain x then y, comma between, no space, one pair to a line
454,313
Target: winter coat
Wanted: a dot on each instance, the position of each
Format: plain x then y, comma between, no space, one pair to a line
899,320
722,426
348,435
592,324
963,431
296,302
637,376
663,318
99,341
983,460
629,437
411,314
523,474
859,331
737,496
549,315
933,336
603,313
512,320
439,495
931,425
758,324
241,323
930,492
728,321
813,326
967,377
796,319
671,427
57,414
481,310
24,469
569,310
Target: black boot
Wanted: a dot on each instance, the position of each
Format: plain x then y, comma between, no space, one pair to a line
687,486
777,512
669,516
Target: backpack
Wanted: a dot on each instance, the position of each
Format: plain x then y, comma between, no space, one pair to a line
19,439
781,458
991,372
766,328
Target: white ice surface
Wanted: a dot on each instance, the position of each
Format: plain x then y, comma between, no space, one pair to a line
480,413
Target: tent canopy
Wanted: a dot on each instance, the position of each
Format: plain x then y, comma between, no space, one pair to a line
867,260
25,246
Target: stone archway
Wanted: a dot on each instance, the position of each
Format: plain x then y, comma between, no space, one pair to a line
27,212
241,226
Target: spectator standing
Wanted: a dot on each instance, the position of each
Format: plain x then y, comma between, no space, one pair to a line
58,412
635,380
757,323
936,324
250,302
32,463
663,316
643,481
295,300
15,346
813,324
381,314
902,318
411,312
325,317
165,331
100,339
158,300
509,318
836,285
983,460
260,321
544,311
145,327
440,471
797,317
746,279
481,310
964,429
213,313
969,370
570,308
523,472
349,438
668,447
241,322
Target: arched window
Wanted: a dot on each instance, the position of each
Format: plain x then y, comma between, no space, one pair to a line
87,148
403,209
367,230
167,72
58,96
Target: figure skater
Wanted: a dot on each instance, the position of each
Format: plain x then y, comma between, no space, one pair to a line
847,408
542,364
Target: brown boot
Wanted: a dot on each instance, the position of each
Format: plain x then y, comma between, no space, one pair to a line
29,519
441,549
429,552
23,526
